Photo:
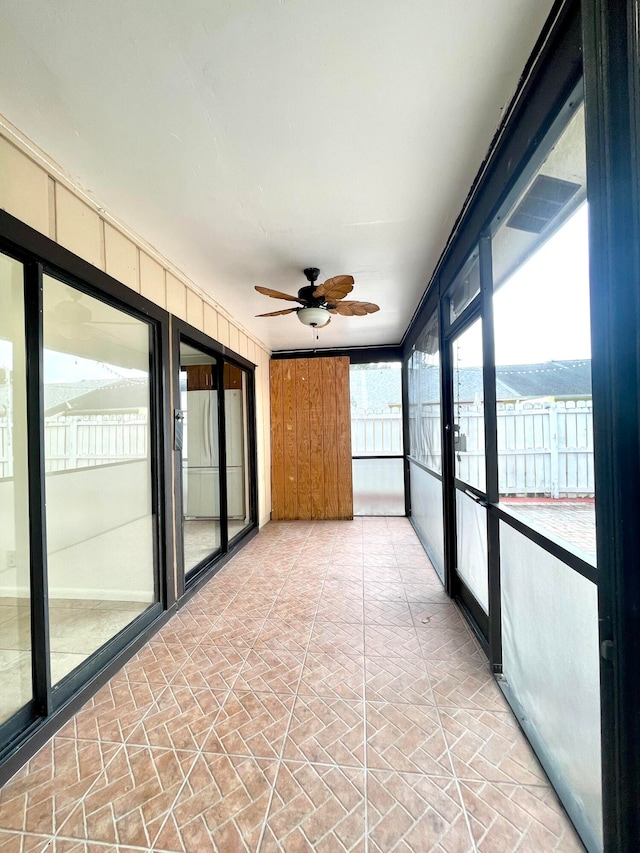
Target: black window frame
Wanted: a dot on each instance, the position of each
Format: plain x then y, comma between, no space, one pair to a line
189,583
27,730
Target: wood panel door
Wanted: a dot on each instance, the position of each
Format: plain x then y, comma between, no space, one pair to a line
311,439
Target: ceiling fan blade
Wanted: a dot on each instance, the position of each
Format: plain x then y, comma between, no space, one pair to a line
352,308
278,313
335,288
276,294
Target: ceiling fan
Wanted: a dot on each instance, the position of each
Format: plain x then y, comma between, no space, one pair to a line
318,302
72,320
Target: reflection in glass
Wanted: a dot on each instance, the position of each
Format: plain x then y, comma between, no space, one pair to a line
15,614
97,453
468,407
465,287
200,455
237,446
543,350
424,398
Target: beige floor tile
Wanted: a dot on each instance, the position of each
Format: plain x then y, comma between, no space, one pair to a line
326,730
251,724
528,819
180,719
214,667
322,677
336,638
316,807
131,797
414,813
221,807
397,679
270,672
391,641
282,634
406,738
385,612
113,713
464,684
14,842
47,789
332,676
489,746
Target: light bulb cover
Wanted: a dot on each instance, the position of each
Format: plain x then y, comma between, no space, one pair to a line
313,316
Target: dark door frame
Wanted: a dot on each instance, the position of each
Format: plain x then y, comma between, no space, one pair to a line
183,331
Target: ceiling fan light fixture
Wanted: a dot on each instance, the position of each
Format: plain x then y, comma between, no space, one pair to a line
313,316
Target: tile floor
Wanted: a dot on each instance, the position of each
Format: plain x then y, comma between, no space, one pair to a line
320,693
77,628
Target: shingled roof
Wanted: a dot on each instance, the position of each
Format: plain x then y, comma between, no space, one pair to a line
558,379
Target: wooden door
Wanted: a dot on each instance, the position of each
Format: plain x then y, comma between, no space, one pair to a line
311,439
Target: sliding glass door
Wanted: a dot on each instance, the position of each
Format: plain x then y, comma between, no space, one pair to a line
214,440
15,585
80,493
469,465
201,529
98,472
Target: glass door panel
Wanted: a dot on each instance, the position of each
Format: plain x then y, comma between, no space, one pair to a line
15,591
98,472
200,456
468,407
541,308
470,470
237,447
376,438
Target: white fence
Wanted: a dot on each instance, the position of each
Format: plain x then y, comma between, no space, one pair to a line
77,442
544,449
375,435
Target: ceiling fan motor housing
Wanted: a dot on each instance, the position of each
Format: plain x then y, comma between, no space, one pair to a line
306,293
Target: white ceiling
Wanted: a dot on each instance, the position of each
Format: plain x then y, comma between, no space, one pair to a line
247,139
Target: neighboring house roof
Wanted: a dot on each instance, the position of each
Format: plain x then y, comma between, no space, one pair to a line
569,378
551,379
374,390
121,395
58,395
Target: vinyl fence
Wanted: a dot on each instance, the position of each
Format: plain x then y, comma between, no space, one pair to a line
544,449
76,442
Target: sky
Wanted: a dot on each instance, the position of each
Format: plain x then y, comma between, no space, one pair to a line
542,312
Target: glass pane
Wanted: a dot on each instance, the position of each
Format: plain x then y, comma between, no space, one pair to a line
100,531
200,455
15,613
468,406
235,401
378,487
543,351
551,663
471,539
465,287
376,409
426,512
424,398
